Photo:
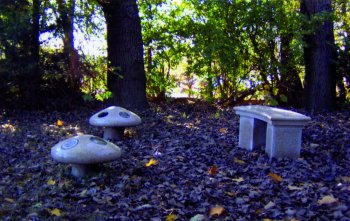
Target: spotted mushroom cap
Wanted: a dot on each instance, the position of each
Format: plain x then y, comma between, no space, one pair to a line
115,116
85,149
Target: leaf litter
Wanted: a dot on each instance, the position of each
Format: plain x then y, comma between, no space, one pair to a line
180,164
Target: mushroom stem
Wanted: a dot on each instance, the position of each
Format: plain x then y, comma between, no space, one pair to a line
82,170
113,133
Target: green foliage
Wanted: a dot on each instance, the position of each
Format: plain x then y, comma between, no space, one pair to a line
56,83
15,55
94,85
342,40
226,44
226,50
61,78
162,51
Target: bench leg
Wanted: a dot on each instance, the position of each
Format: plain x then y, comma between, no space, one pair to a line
252,132
283,141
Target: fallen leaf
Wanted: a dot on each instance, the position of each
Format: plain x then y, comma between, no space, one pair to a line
236,160
345,179
313,145
189,125
198,217
59,123
238,180
290,187
171,217
275,177
232,194
151,162
213,170
83,193
217,210
128,133
269,205
142,207
51,182
55,212
38,205
223,130
329,199
63,183
9,200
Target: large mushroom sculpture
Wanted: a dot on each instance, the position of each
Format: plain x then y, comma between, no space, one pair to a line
84,153
114,119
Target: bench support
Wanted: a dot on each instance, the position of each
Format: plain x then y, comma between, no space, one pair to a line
277,129
283,141
252,132
279,140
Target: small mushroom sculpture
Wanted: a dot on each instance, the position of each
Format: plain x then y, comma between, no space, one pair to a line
84,152
114,119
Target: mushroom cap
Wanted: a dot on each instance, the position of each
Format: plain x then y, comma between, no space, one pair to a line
115,116
85,149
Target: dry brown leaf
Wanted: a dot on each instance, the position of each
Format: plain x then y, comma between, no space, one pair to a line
238,180
59,123
189,125
51,182
275,177
55,212
63,183
213,170
171,217
236,160
9,200
223,130
290,187
129,133
217,210
314,145
345,179
232,194
329,199
269,205
198,217
151,162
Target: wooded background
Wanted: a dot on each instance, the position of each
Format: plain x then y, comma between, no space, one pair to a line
287,53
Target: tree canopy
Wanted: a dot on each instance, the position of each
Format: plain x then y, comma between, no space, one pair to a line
230,52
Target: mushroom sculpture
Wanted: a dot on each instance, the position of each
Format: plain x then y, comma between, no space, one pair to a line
84,152
114,119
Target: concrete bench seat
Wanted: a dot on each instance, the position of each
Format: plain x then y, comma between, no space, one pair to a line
277,129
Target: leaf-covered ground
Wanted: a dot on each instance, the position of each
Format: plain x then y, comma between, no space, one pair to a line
195,170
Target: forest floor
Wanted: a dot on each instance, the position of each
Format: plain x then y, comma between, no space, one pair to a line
200,172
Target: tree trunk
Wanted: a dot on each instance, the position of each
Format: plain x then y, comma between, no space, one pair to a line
66,9
126,74
319,55
35,43
31,80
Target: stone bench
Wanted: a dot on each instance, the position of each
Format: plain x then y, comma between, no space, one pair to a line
277,129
